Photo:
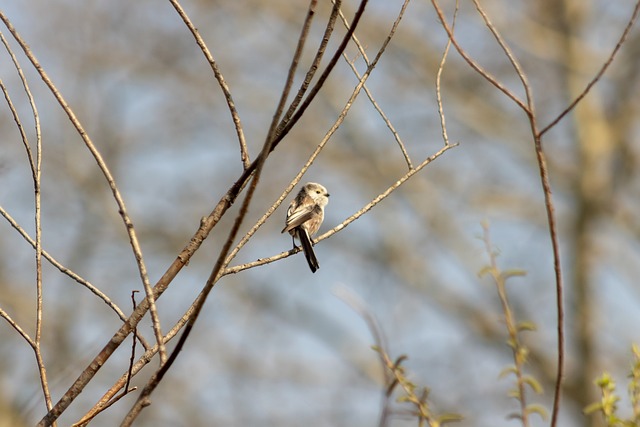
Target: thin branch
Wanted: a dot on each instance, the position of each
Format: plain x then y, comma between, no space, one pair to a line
133,344
313,68
366,89
71,274
244,154
36,173
282,132
512,59
473,64
346,222
18,329
14,112
557,267
599,74
122,210
445,54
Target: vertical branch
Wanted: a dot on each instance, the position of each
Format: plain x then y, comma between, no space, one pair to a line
544,177
445,54
36,174
557,268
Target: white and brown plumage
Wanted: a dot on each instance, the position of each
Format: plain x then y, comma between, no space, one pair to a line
304,216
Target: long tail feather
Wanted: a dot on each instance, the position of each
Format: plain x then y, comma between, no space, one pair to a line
307,248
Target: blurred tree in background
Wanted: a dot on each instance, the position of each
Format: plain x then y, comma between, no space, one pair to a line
274,345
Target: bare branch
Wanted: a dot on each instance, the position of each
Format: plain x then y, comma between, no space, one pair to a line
244,154
512,59
18,329
473,64
349,220
122,210
314,155
599,74
443,123
366,89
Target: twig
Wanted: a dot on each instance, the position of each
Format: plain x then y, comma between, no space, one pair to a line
346,222
133,344
512,59
244,154
599,74
14,112
71,274
282,132
36,173
313,68
366,89
443,123
473,64
18,329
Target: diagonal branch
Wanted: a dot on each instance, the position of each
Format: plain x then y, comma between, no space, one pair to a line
366,89
600,73
347,221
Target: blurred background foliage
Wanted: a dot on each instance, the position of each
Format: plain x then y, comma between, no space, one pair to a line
276,347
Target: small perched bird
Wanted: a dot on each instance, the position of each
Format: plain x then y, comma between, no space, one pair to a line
304,216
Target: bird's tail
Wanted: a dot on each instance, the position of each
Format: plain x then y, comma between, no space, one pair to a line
307,248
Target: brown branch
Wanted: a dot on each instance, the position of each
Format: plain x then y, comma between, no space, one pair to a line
313,156
473,64
557,267
366,89
599,74
244,154
156,378
71,274
445,54
101,408
546,186
282,132
36,173
17,328
313,68
122,210
512,59
347,221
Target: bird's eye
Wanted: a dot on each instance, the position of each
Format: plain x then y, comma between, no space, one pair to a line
317,191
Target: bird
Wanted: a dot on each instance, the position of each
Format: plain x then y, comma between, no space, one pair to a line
304,217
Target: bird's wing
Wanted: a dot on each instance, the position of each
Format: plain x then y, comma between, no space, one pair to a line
298,217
